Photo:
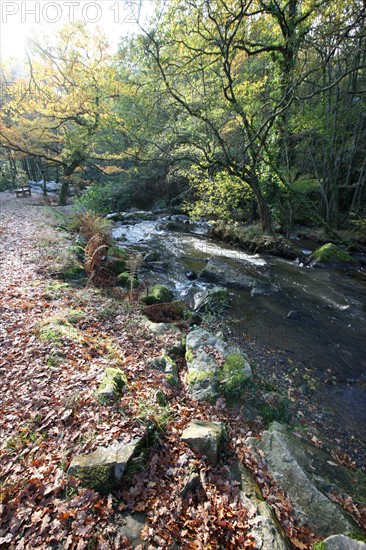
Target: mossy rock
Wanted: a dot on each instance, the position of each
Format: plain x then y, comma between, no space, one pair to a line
103,470
158,294
331,254
58,331
112,385
171,371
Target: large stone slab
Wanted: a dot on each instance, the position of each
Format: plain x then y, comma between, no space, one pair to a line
103,469
214,366
266,530
307,473
205,438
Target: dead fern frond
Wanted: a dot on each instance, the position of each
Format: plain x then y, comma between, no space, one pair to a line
96,253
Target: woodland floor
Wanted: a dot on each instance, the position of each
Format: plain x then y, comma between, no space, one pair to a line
48,414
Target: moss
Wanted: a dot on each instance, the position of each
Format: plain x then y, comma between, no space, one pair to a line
75,316
320,546
158,294
189,355
196,376
57,330
55,290
118,379
72,272
330,253
357,535
98,478
233,373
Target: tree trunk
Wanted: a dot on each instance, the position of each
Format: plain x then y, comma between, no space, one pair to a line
64,191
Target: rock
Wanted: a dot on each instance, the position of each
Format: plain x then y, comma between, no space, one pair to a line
138,215
331,254
205,437
266,530
191,275
171,371
114,216
213,300
116,265
307,473
160,329
341,542
151,257
167,365
181,218
158,294
237,275
214,367
103,469
220,271
191,483
112,385
132,526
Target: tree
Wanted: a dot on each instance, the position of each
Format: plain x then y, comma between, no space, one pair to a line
238,74
57,112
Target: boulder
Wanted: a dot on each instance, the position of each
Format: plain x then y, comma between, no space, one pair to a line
331,254
266,530
341,542
214,367
103,469
307,474
158,294
237,275
214,300
205,437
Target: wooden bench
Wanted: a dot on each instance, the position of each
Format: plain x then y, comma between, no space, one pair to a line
23,191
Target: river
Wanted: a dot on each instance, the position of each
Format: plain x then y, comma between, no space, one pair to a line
316,316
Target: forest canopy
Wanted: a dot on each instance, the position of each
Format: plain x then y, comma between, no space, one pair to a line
240,110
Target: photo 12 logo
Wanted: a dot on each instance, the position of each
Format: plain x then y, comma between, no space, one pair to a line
69,11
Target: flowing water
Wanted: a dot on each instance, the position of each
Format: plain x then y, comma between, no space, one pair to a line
325,331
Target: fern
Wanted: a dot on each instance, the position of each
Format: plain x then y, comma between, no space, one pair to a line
133,264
